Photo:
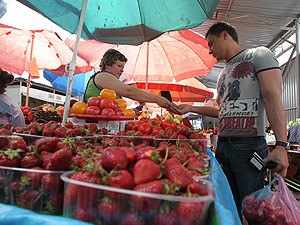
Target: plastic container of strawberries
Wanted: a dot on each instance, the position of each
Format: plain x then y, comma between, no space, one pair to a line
85,201
41,191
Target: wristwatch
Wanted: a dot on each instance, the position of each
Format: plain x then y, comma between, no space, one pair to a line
282,143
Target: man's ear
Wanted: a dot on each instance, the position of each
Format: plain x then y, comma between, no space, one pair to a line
225,35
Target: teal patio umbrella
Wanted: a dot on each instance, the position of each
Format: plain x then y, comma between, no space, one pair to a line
121,21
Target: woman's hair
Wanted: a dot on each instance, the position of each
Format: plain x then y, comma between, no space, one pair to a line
219,27
5,79
110,57
166,94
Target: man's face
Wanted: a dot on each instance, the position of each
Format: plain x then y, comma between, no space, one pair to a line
216,46
117,68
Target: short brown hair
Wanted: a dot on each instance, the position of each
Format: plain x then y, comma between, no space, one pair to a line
110,57
5,79
219,27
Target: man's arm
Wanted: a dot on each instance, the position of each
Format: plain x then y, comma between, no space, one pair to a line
270,82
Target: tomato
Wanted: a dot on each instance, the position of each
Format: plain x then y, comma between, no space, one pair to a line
79,108
108,94
157,130
25,110
93,110
93,101
129,112
106,103
119,112
166,123
122,102
117,104
136,125
129,125
155,122
107,112
145,128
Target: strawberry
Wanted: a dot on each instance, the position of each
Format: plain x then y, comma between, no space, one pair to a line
110,211
144,152
112,157
181,156
29,199
47,144
130,154
45,157
54,203
168,217
69,124
34,131
17,143
92,127
85,196
10,158
190,212
120,179
4,131
60,132
178,173
60,160
132,219
145,171
85,214
71,132
32,179
30,161
147,205
48,131
51,182
196,188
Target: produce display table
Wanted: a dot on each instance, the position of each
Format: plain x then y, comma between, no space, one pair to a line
224,204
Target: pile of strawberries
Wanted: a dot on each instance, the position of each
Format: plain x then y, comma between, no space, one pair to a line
141,165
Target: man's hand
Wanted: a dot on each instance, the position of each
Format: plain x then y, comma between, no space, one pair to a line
279,155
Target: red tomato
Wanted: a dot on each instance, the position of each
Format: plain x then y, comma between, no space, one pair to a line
117,104
155,122
157,130
25,110
166,123
136,125
145,128
106,103
129,125
93,101
93,110
107,111
119,112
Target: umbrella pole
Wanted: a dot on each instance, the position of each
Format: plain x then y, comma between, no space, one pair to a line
73,64
147,65
28,79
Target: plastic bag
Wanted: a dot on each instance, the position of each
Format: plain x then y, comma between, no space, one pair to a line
269,207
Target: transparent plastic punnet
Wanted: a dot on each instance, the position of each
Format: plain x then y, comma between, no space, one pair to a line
38,190
99,204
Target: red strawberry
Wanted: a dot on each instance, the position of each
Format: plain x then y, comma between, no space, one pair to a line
4,131
54,203
145,171
130,154
69,125
120,179
85,214
10,158
17,143
29,199
132,219
32,179
48,131
144,204
190,212
30,161
178,173
45,156
196,188
47,144
110,211
112,157
85,196
60,132
51,182
165,218
33,131
181,156
144,152
60,160
92,127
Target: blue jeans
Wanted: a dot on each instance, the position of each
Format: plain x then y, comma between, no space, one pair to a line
234,155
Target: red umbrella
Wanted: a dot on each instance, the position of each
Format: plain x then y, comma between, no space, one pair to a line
189,90
175,55
46,48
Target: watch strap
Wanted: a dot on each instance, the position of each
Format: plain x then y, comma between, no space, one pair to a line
282,143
